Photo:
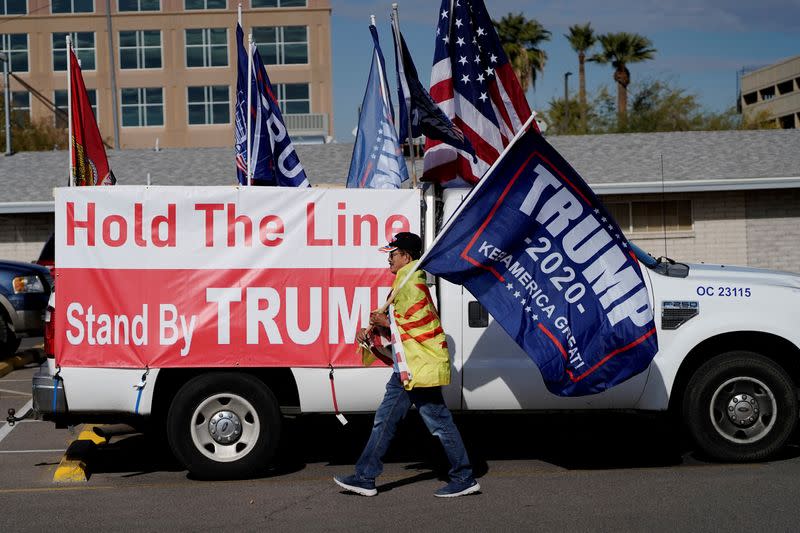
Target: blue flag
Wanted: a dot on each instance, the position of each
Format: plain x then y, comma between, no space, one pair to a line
377,161
541,253
415,102
274,159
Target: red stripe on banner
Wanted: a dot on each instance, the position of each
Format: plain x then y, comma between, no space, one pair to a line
214,318
494,94
514,90
422,337
414,308
427,319
489,217
442,91
556,342
612,354
602,361
441,173
564,178
483,149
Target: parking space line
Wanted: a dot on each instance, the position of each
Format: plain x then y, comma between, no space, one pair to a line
9,391
8,428
60,450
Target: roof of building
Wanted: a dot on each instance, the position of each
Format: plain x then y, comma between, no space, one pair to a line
614,163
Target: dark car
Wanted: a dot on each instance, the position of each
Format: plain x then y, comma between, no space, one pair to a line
47,257
24,292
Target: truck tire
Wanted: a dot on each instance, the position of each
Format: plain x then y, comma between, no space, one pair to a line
9,342
740,406
224,425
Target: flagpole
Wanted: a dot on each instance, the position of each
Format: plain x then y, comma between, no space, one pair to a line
401,61
461,207
249,114
239,15
69,109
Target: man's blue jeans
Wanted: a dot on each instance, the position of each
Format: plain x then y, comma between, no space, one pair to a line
437,418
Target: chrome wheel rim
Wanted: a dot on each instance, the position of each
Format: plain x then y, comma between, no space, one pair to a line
743,410
225,427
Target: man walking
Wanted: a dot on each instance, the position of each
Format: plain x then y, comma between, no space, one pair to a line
428,362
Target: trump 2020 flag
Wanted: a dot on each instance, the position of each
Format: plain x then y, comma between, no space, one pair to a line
274,160
377,161
89,160
537,248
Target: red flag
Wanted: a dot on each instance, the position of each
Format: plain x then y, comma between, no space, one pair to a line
89,161
472,81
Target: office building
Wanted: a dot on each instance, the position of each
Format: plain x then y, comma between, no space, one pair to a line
773,93
174,64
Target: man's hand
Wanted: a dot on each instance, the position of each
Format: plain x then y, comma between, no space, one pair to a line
379,319
361,336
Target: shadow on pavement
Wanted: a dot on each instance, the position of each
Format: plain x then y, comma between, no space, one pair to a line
585,441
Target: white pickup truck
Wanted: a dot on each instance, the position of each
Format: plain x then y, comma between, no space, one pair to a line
728,366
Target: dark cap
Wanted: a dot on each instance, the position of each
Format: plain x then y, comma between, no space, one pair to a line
410,242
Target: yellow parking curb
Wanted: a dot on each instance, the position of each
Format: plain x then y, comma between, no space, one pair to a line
20,360
5,368
71,471
73,467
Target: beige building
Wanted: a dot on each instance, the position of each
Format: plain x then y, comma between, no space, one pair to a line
175,64
774,91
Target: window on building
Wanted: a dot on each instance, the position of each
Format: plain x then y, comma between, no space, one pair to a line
786,122
143,107
140,49
750,98
72,6
205,4
768,93
207,47
282,45
20,107
82,42
139,5
16,46
209,105
649,216
786,87
293,98
279,3
14,7
60,99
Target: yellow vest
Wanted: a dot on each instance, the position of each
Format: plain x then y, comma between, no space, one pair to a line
421,331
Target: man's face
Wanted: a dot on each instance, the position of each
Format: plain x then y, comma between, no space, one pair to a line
397,260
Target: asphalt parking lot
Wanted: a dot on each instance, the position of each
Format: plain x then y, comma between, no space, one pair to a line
613,472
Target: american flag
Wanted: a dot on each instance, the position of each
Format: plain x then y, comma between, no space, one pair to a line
472,81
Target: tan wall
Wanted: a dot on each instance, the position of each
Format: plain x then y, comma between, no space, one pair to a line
719,233
174,77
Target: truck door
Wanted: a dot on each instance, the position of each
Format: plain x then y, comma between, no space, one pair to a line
497,374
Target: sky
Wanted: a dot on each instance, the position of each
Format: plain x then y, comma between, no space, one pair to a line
701,45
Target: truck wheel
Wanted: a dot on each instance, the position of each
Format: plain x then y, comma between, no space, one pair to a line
224,425
740,406
9,342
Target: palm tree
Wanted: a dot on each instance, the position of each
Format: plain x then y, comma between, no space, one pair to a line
620,49
581,39
521,39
